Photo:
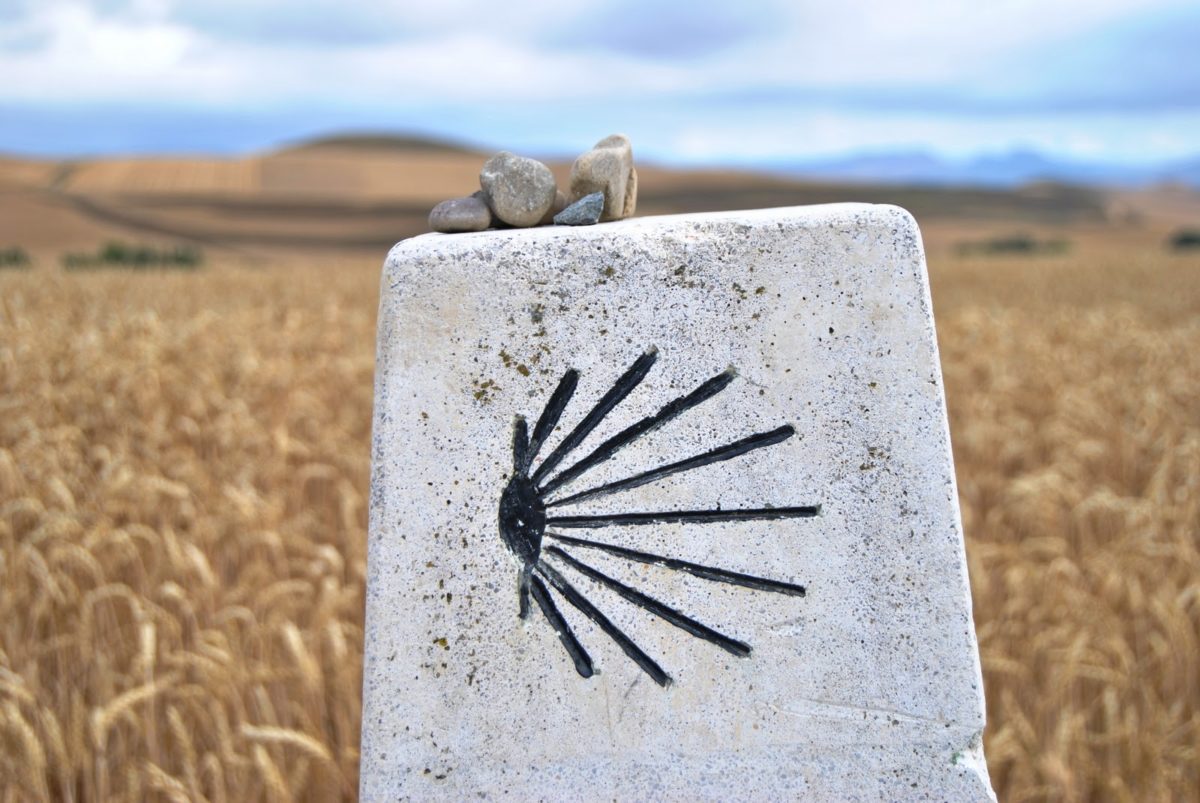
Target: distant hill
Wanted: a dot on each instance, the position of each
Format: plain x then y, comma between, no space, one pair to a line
405,143
1005,169
360,193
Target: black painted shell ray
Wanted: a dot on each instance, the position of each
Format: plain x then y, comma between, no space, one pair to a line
528,515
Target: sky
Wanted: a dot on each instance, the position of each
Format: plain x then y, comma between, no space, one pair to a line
754,82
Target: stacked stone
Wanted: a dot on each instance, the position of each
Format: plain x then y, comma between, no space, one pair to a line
517,191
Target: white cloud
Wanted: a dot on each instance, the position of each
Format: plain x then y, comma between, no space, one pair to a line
89,57
817,76
460,50
1101,136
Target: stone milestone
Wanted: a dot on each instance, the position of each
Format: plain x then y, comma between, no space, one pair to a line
520,191
666,509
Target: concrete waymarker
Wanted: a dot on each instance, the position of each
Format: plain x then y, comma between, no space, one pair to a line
665,509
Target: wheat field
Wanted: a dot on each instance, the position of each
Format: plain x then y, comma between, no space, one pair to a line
183,477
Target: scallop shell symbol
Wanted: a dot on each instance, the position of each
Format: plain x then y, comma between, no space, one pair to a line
529,516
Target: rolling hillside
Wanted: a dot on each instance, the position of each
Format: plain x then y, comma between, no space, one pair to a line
361,194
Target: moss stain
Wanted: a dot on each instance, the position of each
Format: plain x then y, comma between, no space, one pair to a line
484,390
511,362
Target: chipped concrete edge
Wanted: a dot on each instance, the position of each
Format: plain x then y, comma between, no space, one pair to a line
971,757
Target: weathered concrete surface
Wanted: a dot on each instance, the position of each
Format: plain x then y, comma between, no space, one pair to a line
867,688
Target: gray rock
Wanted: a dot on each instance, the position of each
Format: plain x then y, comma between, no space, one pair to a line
460,214
584,212
520,190
606,168
560,203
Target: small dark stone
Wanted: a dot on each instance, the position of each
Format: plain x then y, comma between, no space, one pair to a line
584,212
460,214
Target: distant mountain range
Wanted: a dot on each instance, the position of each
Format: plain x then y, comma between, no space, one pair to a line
1008,169
1005,170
